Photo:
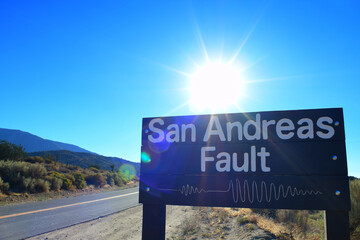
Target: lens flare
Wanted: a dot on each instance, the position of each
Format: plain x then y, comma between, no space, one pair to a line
145,157
127,171
160,147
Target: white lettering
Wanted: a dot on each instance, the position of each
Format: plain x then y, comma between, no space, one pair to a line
230,126
225,162
263,154
306,131
184,127
256,124
328,128
285,125
265,125
218,131
244,167
173,136
204,158
253,158
160,132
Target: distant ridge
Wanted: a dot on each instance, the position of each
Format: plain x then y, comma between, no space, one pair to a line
62,152
33,143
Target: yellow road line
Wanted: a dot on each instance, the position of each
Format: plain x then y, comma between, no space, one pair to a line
64,206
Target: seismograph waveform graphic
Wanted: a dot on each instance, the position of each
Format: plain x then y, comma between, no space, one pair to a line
244,191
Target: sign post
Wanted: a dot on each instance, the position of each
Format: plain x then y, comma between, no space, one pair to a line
154,216
336,225
278,160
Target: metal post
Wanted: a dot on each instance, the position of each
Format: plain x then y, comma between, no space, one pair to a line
337,225
154,216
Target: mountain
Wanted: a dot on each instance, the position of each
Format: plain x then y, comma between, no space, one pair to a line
62,152
85,160
33,143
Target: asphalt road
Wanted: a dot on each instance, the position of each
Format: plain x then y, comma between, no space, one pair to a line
30,219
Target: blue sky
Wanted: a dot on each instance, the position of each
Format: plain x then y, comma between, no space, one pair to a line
87,72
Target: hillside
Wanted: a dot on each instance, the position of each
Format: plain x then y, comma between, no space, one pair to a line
33,143
62,152
85,160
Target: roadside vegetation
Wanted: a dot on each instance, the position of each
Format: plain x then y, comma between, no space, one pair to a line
283,224
355,209
21,174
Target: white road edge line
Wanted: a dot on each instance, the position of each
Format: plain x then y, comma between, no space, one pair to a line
64,206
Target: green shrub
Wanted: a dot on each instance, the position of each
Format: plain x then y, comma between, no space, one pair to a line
97,166
35,159
9,170
36,171
52,167
70,177
22,176
96,179
79,180
55,183
113,178
4,187
67,184
39,185
34,185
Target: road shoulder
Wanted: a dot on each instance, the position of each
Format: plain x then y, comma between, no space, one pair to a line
126,224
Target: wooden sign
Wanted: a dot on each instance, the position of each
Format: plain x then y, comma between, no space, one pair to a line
279,159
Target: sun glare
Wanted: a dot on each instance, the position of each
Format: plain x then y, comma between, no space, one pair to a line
218,86
215,86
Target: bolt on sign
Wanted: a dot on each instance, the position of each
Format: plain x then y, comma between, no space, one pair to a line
279,159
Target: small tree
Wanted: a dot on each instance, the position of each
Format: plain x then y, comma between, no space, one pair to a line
18,152
5,150
9,151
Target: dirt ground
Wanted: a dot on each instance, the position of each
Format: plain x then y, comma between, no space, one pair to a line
123,225
182,223
218,223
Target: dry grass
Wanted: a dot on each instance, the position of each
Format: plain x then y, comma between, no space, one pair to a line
219,223
189,226
262,221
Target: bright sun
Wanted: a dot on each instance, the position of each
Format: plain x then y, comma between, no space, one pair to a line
215,86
